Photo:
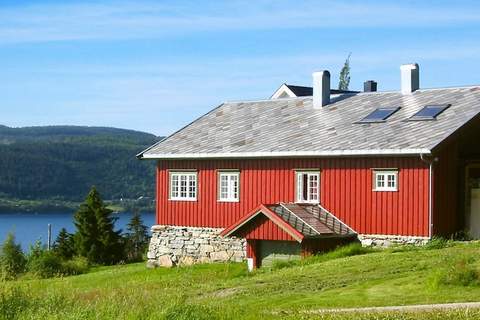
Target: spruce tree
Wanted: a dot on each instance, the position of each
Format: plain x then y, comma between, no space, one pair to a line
137,237
64,246
344,81
96,238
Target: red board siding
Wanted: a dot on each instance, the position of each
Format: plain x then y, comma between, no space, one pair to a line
446,216
346,191
262,228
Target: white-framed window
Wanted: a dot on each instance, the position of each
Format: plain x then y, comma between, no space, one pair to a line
308,186
385,180
228,186
183,186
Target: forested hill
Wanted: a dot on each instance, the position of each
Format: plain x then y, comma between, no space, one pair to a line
63,162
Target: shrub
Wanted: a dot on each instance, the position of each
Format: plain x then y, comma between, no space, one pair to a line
74,266
45,265
12,259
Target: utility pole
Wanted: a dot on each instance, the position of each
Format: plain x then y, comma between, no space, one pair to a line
49,242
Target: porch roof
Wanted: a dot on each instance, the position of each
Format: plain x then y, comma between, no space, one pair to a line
299,221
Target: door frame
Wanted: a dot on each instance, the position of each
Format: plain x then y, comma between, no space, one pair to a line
467,193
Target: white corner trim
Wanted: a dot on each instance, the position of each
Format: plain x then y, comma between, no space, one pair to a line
283,89
279,154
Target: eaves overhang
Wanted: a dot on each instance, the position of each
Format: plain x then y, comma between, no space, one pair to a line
287,154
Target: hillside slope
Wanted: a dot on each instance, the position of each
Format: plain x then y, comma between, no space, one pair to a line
226,291
63,162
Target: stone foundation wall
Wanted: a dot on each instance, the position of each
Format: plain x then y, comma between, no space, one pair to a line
376,240
174,245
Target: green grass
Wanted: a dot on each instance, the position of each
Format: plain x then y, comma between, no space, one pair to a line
345,278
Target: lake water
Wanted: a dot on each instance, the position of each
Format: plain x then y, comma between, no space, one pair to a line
30,227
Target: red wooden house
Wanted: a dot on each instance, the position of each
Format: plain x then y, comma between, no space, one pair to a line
297,175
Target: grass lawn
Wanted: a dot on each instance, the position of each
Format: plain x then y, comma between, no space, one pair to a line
389,277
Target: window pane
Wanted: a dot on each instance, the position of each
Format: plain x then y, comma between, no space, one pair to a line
429,112
174,186
183,186
378,115
192,185
228,186
313,189
299,187
304,187
380,180
308,184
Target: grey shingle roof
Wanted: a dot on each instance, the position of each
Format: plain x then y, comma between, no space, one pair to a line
291,127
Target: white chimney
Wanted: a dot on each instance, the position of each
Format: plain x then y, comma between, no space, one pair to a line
410,74
321,88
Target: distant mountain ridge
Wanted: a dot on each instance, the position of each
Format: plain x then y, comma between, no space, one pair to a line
63,162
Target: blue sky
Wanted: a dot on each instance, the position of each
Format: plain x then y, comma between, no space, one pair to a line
157,65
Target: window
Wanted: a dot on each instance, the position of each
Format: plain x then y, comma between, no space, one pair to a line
379,115
183,186
228,186
429,112
385,180
308,186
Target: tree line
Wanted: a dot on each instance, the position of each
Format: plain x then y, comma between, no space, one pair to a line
95,242
62,163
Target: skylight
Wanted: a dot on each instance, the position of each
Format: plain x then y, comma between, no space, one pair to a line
379,115
429,112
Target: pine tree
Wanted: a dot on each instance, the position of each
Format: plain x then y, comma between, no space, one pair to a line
95,238
137,237
12,259
344,81
64,246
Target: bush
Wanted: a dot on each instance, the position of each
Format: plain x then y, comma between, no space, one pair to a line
45,265
12,259
74,266
49,265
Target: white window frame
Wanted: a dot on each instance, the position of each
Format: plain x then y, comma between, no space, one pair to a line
177,192
385,175
300,185
232,193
